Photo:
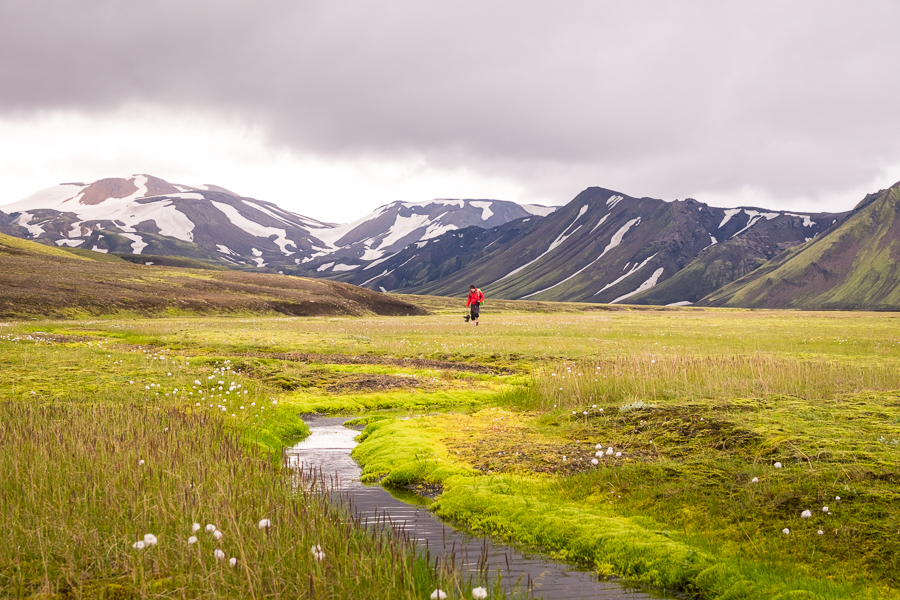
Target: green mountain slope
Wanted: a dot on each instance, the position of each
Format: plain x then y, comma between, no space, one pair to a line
853,266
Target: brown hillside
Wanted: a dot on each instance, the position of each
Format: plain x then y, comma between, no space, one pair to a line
39,281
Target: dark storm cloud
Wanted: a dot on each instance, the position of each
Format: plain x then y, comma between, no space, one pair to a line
657,98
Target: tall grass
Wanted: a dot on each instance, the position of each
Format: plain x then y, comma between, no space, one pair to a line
627,379
77,496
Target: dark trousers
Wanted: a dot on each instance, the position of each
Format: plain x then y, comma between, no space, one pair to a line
474,309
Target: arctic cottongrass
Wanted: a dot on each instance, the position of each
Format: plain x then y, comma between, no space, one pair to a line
192,540
609,451
777,465
210,528
786,531
618,455
598,447
141,463
265,524
479,593
138,545
218,554
594,461
217,534
150,539
820,532
318,553
232,561
438,594
824,509
195,527
806,514
754,480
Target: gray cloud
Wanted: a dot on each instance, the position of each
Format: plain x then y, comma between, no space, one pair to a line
654,98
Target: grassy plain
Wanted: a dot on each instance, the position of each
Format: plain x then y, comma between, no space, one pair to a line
508,417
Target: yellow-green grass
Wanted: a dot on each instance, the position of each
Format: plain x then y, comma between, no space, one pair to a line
814,391
76,496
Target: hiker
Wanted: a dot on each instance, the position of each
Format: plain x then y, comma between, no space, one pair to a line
473,303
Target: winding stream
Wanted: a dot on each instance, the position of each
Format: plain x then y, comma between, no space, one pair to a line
328,448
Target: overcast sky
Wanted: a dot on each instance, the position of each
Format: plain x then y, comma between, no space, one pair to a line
332,108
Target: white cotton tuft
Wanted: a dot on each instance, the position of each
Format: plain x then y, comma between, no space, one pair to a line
192,540
438,594
479,593
219,554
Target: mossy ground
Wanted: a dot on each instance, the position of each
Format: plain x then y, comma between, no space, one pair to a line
699,402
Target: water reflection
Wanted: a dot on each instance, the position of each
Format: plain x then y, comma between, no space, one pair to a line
328,450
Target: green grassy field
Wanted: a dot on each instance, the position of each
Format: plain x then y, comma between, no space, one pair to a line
729,424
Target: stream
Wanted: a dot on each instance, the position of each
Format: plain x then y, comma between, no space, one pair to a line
327,450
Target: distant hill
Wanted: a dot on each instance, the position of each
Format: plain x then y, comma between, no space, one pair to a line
854,266
45,281
605,246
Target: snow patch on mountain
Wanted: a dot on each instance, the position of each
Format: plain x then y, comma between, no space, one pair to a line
755,217
728,214
633,270
807,222
137,242
24,220
253,228
652,281
485,207
600,222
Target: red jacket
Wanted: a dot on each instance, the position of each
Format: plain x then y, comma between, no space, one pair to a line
474,296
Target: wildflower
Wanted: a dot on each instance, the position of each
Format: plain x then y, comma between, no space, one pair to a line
564,459
594,461
438,594
318,553
777,465
805,514
824,509
195,527
594,406
232,561
192,539
574,412
265,524
598,446
820,532
150,539
141,462
837,498
618,455
755,480
584,413
210,528
479,593
138,545
609,451
786,531
218,534
219,554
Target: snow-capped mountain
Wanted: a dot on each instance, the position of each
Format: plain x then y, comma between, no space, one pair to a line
604,246
145,215
389,229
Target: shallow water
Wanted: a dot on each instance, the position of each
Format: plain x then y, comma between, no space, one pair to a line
327,450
